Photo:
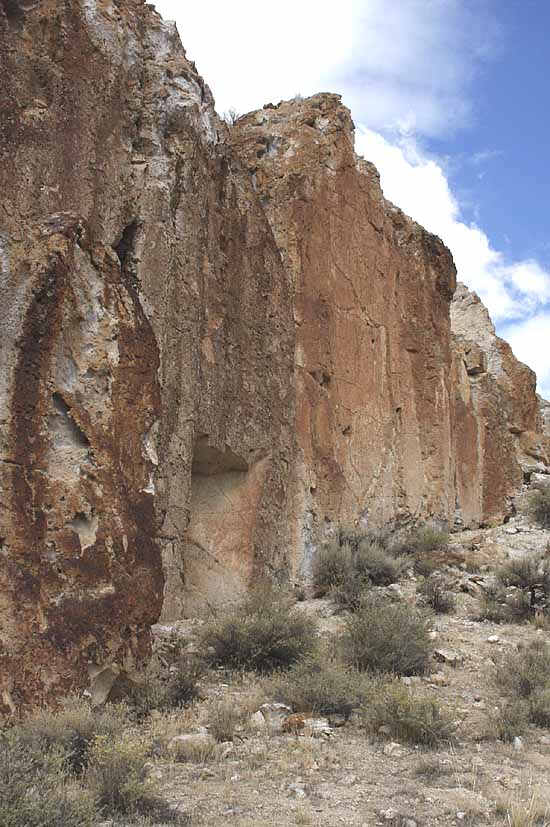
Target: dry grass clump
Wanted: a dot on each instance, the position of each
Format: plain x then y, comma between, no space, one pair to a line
523,677
529,572
383,637
225,716
320,685
538,507
434,592
71,731
498,606
406,716
74,768
268,632
36,789
426,545
508,720
351,562
164,689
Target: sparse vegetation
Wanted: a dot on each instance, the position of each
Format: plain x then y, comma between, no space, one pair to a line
406,716
538,506
75,767
499,606
162,690
383,637
268,632
353,561
435,593
524,677
116,774
224,716
508,720
36,790
320,685
71,731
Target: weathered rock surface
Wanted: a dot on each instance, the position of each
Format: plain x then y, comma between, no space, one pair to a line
145,346
371,303
497,426
216,345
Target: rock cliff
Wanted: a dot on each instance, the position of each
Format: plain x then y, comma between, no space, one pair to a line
216,346
146,407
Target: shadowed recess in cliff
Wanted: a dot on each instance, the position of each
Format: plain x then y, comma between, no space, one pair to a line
219,549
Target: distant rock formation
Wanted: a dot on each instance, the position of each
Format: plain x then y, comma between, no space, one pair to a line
217,344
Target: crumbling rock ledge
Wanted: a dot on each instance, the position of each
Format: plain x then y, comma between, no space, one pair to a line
217,345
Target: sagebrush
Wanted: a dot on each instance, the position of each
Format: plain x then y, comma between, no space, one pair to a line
268,632
384,637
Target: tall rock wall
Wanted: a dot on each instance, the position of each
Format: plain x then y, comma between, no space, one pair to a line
371,307
498,428
216,345
146,347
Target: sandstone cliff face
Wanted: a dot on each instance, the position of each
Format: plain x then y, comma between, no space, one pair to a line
146,346
216,346
497,423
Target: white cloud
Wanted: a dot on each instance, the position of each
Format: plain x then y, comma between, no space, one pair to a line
419,186
409,63
405,68
529,340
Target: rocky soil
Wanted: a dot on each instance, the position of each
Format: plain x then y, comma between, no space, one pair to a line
341,775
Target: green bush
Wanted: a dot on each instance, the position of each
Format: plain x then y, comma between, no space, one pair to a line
434,592
428,538
36,791
268,632
524,677
71,730
321,686
538,507
352,562
416,719
383,637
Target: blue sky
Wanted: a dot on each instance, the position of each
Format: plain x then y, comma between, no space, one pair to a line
449,99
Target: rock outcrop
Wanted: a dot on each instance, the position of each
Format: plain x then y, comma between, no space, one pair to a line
216,346
371,304
146,343
497,424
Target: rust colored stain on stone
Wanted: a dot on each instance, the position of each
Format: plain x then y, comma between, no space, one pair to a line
216,346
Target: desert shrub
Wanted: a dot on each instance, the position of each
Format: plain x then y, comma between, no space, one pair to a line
538,506
524,676
194,749
319,685
352,562
116,774
268,632
428,538
508,720
434,592
387,638
426,545
35,790
164,690
332,566
416,719
71,730
224,717
498,606
528,572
